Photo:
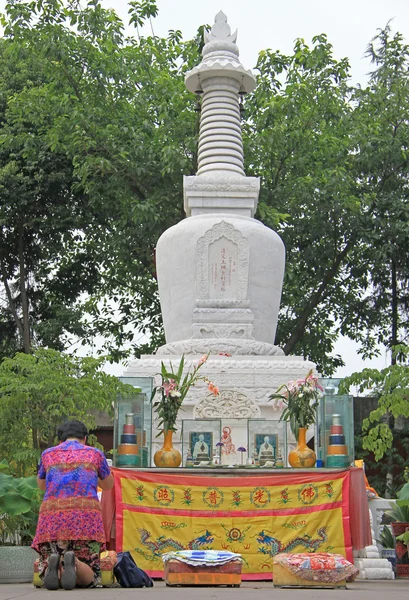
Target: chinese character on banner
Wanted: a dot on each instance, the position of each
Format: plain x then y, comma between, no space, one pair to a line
308,493
260,497
213,497
164,495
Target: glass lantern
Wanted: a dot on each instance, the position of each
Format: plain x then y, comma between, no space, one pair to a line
133,424
335,426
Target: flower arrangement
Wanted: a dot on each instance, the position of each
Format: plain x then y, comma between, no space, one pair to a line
301,399
173,390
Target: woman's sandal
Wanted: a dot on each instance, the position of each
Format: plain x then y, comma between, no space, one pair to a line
51,580
69,575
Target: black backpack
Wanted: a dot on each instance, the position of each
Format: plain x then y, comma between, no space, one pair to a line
128,574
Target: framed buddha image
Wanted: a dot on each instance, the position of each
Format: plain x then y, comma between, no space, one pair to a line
199,439
267,441
201,445
266,446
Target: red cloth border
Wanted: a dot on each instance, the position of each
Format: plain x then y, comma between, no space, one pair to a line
227,513
245,480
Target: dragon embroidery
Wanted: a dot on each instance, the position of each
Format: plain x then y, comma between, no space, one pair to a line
158,546
273,546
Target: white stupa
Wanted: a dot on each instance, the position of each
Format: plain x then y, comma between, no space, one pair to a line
220,271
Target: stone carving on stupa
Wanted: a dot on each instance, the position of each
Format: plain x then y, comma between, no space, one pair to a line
228,404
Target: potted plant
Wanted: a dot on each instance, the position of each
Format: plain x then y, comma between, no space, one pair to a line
301,402
399,515
172,391
19,505
387,546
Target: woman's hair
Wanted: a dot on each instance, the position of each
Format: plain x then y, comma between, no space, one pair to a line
71,429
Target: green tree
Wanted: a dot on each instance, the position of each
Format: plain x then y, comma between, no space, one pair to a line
383,162
387,475
40,390
117,111
336,169
300,143
39,214
390,386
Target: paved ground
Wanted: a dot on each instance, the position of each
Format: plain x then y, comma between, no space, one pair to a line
361,590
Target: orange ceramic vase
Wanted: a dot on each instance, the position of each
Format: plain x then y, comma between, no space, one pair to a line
167,457
302,457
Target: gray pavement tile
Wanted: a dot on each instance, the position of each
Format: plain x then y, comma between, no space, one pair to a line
360,590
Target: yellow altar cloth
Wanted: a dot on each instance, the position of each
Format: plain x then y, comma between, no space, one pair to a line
257,515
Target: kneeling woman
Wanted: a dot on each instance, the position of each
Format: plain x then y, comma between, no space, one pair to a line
70,533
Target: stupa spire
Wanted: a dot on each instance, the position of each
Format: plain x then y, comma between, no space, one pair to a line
220,271
220,30
221,78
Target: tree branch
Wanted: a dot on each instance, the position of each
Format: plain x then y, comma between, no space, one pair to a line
23,291
10,299
315,299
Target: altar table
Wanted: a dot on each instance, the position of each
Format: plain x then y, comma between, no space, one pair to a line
256,513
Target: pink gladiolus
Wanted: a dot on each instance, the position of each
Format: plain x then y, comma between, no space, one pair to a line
313,381
292,387
213,389
203,360
168,386
174,388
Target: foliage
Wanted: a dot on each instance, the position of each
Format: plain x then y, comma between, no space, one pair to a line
333,162
402,510
41,214
386,538
301,399
383,161
96,131
19,505
399,511
39,391
98,121
403,495
173,389
391,387
298,140
403,504
404,537
386,475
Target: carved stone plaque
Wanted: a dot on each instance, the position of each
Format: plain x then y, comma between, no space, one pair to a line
223,264
222,278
